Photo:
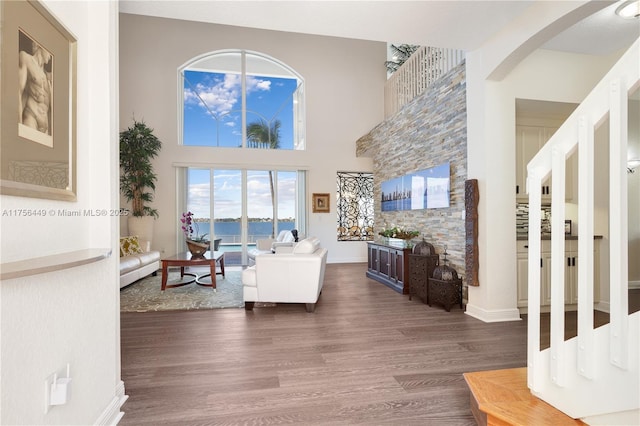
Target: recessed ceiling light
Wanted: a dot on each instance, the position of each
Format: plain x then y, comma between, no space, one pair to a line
629,9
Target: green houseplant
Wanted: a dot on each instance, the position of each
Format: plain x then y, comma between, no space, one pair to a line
138,146
394,234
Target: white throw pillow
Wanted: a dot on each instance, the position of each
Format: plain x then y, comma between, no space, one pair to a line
288,238
306,246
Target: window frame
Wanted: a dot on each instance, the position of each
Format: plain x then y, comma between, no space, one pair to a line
183,182
298,129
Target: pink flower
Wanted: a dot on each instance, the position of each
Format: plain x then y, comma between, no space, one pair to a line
187,228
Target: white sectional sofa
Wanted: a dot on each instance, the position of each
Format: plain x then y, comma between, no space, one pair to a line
137,260
293,277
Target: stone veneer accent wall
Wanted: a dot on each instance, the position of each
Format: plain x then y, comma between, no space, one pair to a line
430,130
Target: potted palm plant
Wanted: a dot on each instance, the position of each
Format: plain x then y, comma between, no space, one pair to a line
138,146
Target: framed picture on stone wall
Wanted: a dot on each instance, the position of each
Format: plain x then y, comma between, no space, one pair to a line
38,105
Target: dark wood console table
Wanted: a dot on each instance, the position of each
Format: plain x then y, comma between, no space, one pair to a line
389,265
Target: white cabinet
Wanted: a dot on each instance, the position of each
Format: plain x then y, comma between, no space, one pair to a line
523,278
529,140
571,272
523,272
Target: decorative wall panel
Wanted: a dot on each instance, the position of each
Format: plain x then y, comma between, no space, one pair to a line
355,206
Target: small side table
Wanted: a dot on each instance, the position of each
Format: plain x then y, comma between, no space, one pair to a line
210,258
446,293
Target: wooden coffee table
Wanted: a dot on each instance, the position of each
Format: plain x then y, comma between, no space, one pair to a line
186,259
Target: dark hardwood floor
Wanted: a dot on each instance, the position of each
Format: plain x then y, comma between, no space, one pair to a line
367,355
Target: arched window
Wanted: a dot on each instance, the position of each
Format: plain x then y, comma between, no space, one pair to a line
237,98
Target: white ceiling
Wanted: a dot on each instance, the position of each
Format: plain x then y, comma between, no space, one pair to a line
599,34
451,23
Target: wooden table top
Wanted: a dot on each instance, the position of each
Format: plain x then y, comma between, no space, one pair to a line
187,257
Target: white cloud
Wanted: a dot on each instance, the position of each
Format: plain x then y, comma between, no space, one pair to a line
227,193
255,84
221,94
199,199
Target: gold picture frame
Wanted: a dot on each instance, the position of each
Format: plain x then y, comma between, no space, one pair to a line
38,106
321,203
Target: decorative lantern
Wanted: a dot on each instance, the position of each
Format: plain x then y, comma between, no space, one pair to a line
422,261
445,272
445,287
424,248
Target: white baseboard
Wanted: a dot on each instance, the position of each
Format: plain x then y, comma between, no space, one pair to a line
112,414
349,260
622,418
498,315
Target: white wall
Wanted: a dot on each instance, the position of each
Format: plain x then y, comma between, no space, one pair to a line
543,75
69,316
634,192
344,82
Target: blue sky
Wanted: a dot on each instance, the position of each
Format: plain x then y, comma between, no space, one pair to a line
212,107
212,116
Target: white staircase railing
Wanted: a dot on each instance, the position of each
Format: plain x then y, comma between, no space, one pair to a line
598,371
421,70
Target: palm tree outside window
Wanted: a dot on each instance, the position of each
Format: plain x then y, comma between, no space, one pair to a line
261,134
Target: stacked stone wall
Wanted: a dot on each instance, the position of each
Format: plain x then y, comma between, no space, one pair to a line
429,131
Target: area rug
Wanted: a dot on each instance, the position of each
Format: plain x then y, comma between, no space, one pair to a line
145,294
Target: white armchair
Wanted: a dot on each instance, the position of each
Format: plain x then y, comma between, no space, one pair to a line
285,238
295,277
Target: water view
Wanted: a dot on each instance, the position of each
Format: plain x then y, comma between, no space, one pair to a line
230,231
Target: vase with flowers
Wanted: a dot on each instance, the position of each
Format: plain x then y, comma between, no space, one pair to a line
196,243
398,236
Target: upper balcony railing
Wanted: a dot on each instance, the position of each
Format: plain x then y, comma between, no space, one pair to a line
425,66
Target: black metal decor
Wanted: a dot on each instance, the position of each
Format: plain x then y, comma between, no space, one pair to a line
355,206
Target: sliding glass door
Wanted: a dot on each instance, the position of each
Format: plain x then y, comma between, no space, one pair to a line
226,218
241,206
